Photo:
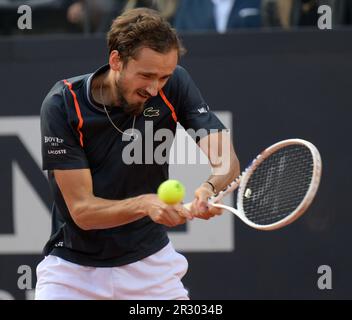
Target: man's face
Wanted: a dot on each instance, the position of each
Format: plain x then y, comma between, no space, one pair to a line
142,78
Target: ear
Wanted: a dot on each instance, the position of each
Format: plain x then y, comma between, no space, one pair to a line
115,61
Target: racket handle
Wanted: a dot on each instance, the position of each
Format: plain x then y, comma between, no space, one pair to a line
230,188
216,198
188,205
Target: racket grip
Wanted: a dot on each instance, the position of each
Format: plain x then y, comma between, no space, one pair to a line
188,205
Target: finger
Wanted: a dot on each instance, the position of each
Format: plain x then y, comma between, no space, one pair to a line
202,197
182,221
202,205
209,213
201,214
174,217
183,212
216,210
161,217
177,220
193,207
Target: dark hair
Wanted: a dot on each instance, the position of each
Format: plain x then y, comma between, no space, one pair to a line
139,28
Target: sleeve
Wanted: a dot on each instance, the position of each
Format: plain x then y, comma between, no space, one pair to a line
61,148
194,113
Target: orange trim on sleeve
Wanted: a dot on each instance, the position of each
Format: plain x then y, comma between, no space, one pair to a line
171,107
78,111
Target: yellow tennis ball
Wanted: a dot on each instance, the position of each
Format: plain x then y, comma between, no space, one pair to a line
171,191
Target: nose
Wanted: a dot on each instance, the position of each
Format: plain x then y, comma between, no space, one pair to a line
152,89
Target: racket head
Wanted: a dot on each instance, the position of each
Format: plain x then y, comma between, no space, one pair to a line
279,185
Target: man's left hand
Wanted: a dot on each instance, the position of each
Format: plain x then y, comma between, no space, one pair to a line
200,207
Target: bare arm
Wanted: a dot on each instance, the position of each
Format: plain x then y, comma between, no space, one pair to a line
225,168
91,212
223,159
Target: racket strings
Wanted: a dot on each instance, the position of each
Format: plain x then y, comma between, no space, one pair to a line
278,185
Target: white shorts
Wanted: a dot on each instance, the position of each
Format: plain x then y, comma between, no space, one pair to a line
157,277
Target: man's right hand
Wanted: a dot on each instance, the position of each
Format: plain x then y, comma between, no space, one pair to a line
160,212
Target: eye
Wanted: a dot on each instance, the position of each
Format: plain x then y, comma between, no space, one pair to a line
145,76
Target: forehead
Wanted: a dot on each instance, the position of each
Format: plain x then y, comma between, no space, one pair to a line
150,61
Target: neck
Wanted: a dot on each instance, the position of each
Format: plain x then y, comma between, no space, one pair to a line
104,84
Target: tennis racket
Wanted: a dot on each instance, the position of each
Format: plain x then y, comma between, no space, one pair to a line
277,187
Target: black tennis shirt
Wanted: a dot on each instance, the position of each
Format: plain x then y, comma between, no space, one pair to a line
77,134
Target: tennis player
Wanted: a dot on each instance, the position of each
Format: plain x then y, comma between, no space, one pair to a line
109,238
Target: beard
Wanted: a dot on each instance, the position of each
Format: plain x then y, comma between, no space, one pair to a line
134,109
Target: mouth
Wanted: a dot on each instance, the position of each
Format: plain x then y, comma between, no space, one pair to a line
143,95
